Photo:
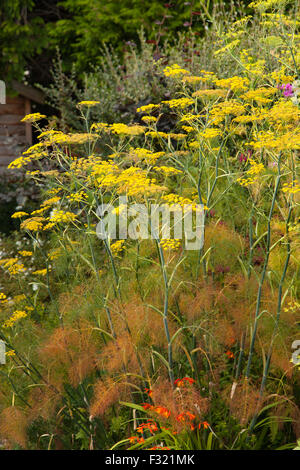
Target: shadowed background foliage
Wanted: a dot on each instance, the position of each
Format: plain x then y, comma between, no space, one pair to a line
32,30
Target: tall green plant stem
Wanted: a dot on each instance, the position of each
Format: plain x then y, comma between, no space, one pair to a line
263,274
278,314
207,202
250,241
165,315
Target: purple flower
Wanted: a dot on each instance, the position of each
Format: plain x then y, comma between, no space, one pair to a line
287,90
243,157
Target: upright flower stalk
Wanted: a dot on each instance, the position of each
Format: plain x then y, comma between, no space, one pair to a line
263,274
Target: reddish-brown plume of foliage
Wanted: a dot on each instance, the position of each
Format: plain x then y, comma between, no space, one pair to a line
145,325
244,402
13,424
69,301
281,358
237,301
70,354
43,401
107,392
193,306
137,329
118,355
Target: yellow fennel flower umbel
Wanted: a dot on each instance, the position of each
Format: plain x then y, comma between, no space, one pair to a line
88,103
175,70
16,316
33,117
34,224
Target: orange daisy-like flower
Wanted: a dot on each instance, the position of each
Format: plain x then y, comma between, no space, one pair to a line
136,439
186,415
191,416
161,410
149,392
149,425
183,381
147,406
205,425
180,418
229,354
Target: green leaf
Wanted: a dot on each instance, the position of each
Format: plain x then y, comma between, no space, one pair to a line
132,405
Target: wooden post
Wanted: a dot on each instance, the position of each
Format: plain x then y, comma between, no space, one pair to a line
2,353
2,92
